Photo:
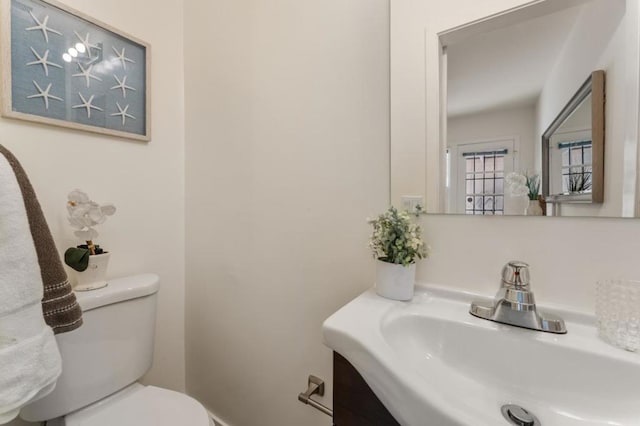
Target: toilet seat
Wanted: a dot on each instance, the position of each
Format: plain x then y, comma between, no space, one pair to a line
139,405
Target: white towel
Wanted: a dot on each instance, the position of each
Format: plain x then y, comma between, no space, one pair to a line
30,362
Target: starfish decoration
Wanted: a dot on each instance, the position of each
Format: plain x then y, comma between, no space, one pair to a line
87,45
86,73
122,113
44,61
42,26
122,85
123,59
87,104
44,94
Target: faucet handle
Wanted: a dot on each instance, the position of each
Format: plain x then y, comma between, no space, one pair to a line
516,273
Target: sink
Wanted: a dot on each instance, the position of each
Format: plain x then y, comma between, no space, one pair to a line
432,363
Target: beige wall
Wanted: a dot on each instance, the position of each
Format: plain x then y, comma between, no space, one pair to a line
145,181
287,153
497,124
567,255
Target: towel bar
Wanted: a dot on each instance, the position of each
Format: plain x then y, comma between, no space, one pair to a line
315,386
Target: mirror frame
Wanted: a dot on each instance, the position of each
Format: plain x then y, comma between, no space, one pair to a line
594,86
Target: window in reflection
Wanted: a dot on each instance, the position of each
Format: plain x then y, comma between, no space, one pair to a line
576,166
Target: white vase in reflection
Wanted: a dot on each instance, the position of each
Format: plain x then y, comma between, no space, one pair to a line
533,209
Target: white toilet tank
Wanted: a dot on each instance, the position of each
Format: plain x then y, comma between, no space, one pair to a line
112,349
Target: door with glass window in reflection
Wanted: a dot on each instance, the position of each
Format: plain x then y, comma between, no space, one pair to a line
478,179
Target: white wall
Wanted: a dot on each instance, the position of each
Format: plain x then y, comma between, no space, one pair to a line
567,255
287,124
597,41
145,181
497,124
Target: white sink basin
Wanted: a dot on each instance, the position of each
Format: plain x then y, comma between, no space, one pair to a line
432,363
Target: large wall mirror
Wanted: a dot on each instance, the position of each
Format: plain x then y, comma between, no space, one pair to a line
512,108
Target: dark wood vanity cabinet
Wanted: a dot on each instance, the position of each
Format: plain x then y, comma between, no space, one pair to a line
354,403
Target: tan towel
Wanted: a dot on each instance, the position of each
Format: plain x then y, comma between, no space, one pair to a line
60,308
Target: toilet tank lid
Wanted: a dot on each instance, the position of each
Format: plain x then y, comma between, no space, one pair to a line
119,290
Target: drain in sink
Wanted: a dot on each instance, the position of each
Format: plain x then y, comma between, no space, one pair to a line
518,416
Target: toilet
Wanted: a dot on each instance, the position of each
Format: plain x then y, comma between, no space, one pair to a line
103,360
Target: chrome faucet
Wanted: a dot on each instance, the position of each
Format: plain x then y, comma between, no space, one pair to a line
515,305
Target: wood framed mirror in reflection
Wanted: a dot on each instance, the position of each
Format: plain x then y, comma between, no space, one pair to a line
505,100
573,150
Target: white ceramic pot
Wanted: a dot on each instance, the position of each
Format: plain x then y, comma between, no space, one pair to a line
394,281
95,275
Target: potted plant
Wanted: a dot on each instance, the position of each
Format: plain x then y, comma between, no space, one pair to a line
533,187
89,260
529,185
396,243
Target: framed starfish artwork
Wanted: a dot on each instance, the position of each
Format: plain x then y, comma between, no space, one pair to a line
59,66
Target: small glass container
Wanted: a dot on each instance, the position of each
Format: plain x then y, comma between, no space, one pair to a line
618,313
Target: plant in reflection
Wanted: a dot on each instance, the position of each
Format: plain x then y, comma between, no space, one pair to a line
579,181
533,185
516,184
396,238
519,184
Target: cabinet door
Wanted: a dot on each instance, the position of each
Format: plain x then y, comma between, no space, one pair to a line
354,403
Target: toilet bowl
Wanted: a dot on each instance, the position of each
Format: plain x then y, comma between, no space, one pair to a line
103,360
139,405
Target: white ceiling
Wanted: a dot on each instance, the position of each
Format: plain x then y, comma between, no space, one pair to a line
505,67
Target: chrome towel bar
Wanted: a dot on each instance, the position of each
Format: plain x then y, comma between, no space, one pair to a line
315,386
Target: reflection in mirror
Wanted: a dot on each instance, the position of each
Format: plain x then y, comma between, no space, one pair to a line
571,154
573,149
503,82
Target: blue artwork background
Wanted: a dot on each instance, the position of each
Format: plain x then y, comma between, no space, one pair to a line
64,85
